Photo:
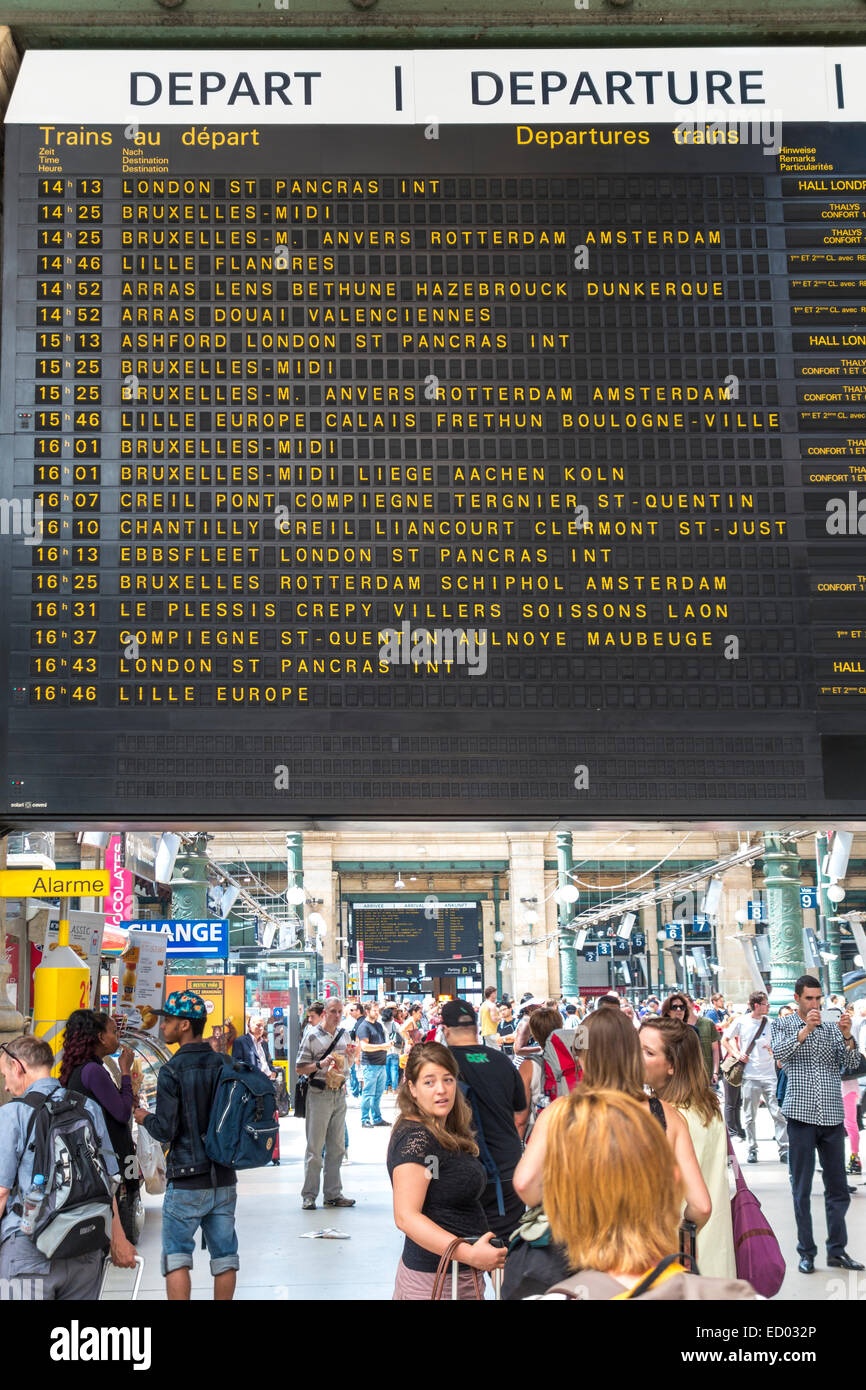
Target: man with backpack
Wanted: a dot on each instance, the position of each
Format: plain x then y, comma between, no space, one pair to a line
200,1192
493,1088
61,1137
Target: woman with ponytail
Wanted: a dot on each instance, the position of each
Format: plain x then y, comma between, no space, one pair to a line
91,1036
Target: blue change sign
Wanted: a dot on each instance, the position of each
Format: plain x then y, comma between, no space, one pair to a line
189,938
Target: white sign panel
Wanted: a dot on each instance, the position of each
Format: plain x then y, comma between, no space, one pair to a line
142,979
574,87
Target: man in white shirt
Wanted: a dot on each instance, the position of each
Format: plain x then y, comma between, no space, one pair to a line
759,1078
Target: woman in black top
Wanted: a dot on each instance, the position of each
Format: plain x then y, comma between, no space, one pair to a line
437,1179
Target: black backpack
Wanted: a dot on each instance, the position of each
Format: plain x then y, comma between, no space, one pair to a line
75,1216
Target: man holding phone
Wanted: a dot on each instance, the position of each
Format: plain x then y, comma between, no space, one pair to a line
814,1053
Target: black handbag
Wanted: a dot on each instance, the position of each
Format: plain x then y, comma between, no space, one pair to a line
300,1106
530,1264
855,1075
282,1091
130,1209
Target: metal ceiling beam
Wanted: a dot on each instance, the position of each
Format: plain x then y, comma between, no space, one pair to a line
389,23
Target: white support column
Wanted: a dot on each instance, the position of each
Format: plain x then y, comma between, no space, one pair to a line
319,883
526,876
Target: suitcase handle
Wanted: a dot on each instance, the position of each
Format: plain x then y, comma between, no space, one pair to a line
139,1272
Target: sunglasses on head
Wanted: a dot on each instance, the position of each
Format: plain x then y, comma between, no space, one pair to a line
4,1047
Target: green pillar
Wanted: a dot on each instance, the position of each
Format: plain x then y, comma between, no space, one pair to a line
295,871
828,923
189,882
189,885
782,882
567,953
497,932
295,856
660,945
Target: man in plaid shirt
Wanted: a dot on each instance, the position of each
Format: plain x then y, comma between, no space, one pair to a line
814,1054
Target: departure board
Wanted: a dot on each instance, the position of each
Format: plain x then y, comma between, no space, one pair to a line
405,933
435,434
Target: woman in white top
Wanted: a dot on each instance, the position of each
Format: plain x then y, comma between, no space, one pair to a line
675,1070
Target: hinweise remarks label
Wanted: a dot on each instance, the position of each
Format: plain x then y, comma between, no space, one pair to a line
509,448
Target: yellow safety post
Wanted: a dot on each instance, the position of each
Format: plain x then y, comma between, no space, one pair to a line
61,984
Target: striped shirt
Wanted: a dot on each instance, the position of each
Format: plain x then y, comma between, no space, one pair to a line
814,1094
315,1042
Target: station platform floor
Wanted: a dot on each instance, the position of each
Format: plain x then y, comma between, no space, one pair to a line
276,1262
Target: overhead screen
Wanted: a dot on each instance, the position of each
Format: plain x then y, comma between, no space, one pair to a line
441,433
406,932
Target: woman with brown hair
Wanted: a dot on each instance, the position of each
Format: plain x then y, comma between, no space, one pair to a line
437,1179
542,1022
681,1008
674,1068
612,1061
624,1227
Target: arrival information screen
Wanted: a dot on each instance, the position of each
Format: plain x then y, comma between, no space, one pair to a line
448,433
413,932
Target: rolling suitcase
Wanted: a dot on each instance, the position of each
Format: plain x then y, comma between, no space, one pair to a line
139,1271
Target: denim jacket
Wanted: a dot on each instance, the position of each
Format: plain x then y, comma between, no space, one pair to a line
185,1092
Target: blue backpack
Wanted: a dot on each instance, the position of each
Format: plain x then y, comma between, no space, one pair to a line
242,1131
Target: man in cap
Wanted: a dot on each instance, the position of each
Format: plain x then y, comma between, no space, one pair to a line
200,1193
497,1097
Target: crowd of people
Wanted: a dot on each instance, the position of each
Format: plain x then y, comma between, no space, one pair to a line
568,1150
483,1098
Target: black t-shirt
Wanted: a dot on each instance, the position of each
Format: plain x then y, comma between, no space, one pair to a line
453,1199
499,1094
372,1033
507,1028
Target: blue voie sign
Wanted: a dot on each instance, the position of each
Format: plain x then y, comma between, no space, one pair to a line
190,938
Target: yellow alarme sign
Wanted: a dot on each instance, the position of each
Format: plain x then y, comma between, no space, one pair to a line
54,883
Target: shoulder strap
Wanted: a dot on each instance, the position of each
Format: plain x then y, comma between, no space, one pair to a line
649,1279
757,1035
333,1043
658,1110
740,1181
36,1101
486,1156
588,1283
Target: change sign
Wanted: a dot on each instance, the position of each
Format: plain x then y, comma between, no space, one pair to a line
190,938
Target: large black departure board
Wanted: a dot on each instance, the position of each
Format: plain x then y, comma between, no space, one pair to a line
369,455
406,932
